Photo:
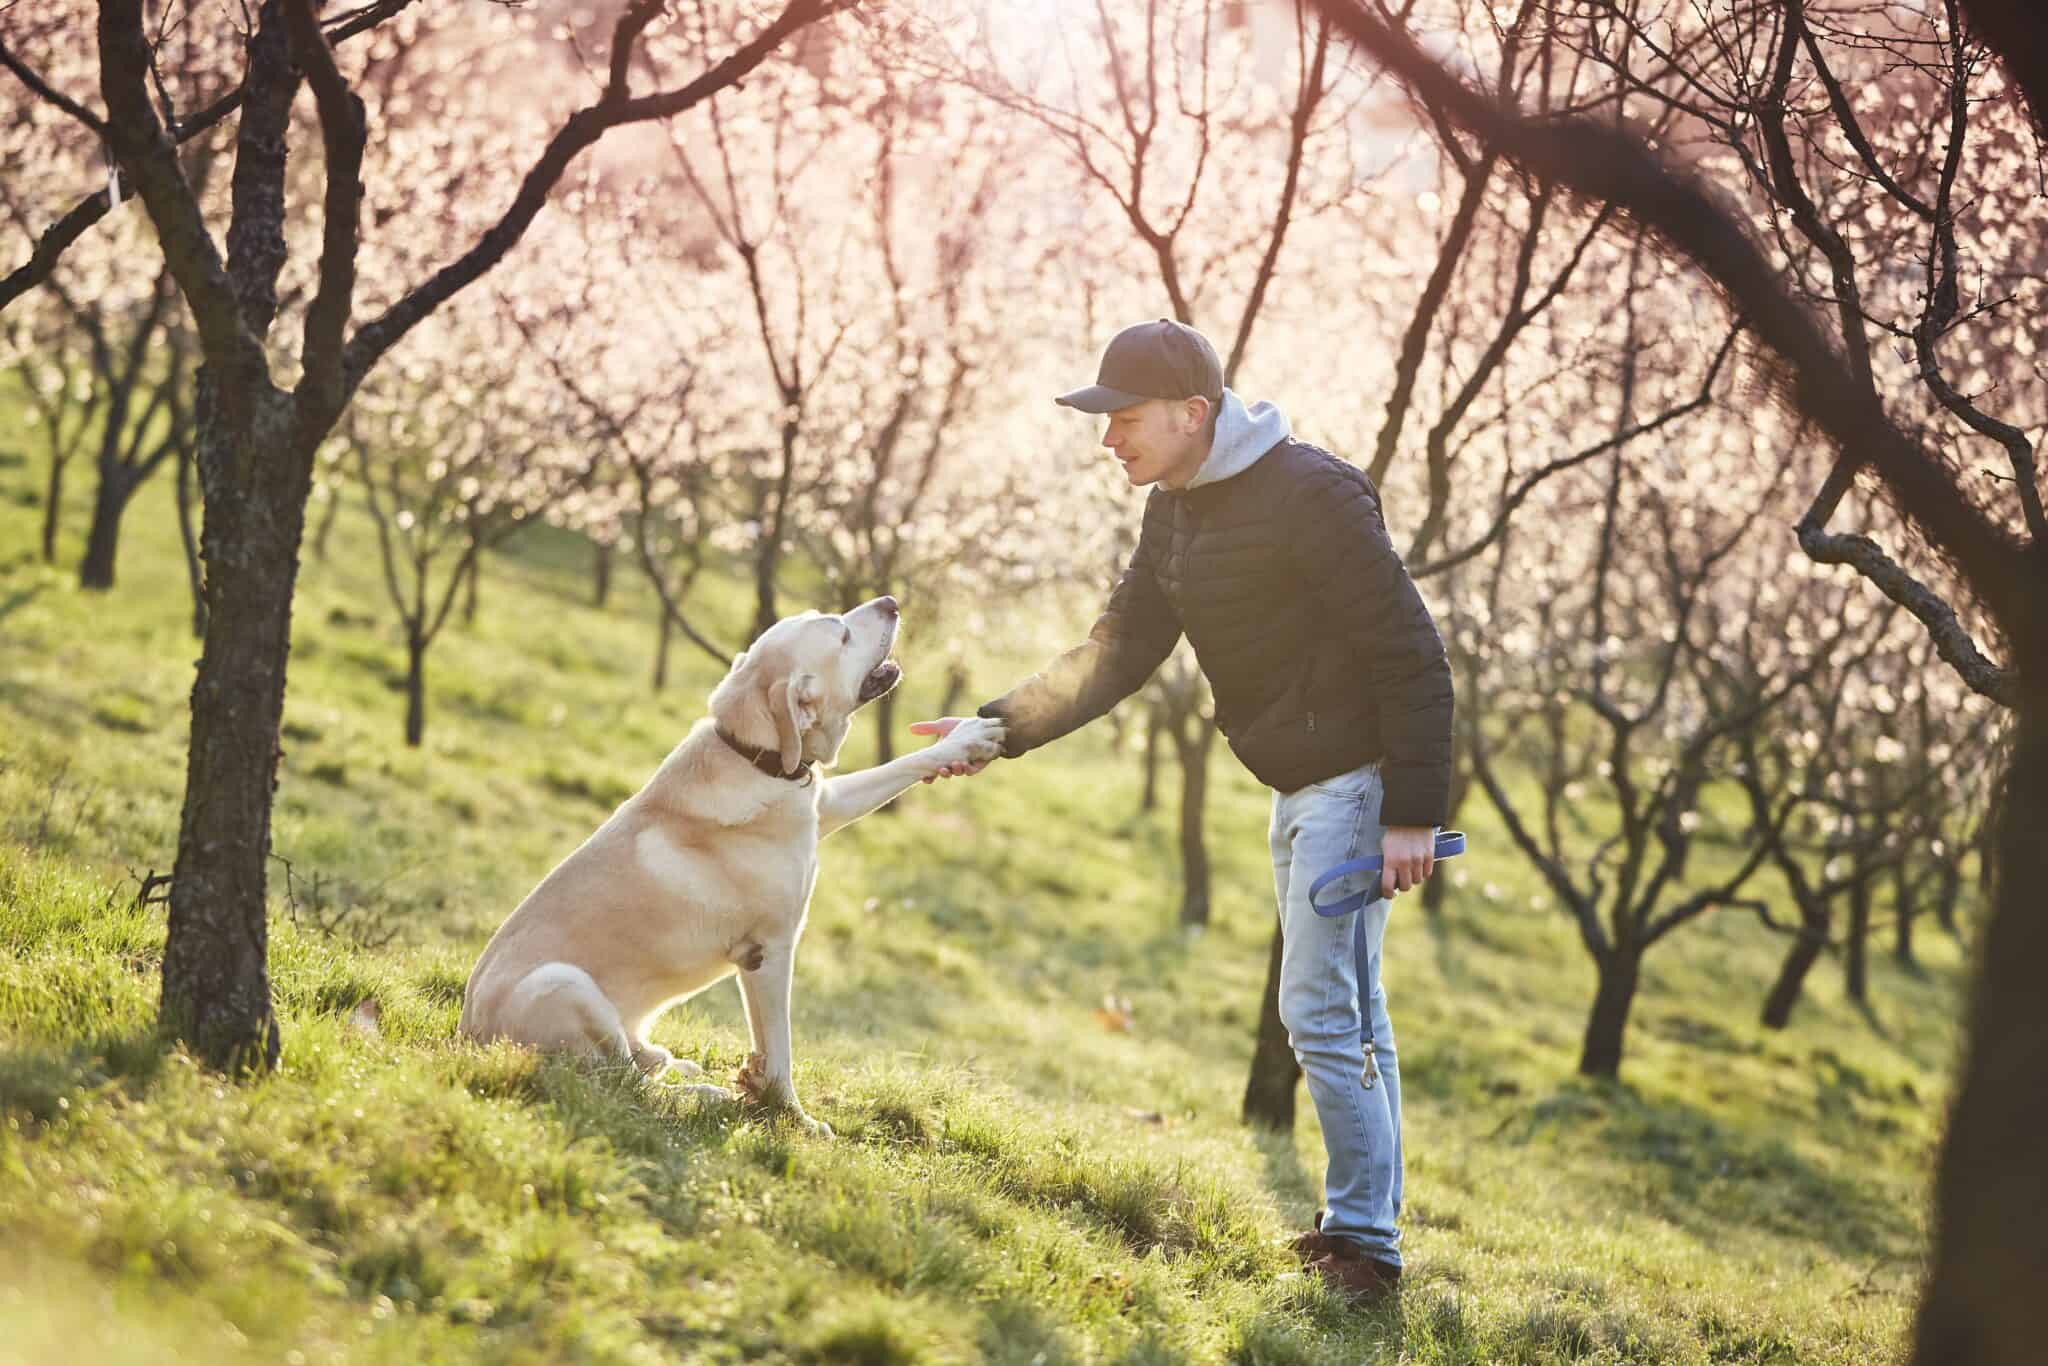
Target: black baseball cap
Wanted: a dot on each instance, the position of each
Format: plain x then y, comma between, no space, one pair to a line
1162,359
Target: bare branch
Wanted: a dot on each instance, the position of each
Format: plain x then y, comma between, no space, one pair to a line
149,157
582,129
49,94
1610,165
343,132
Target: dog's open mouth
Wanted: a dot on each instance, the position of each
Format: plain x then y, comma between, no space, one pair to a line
887,675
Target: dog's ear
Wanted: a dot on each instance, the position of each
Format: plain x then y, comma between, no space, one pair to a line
793,702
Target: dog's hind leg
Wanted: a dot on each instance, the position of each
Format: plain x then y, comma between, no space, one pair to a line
559,1007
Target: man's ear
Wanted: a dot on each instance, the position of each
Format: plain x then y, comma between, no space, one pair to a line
1196,412
793,702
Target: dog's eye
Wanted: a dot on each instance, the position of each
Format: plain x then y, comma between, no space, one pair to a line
845,634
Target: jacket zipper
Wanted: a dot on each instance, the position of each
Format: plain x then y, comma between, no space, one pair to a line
1311,723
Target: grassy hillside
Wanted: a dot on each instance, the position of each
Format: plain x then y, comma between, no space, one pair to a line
1015,1178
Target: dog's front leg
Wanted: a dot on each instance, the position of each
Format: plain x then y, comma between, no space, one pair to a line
846,799
769,1074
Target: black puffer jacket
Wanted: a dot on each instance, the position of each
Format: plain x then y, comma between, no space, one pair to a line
1314,640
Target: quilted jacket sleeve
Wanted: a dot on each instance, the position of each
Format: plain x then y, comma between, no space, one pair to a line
1132,637
1363,592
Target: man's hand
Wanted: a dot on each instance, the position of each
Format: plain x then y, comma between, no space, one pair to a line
1410,852
942,728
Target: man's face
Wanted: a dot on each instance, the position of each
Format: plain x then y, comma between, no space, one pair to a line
1159,439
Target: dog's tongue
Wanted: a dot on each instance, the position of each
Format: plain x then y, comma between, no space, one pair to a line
887,675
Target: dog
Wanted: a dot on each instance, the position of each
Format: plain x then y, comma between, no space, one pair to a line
707,870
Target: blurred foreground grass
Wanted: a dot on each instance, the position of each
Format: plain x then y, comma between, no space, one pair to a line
1015,1180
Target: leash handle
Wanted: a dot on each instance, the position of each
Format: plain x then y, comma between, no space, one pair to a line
1449,843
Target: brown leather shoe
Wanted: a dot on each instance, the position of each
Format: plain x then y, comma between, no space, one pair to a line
1358,1278
1316,1243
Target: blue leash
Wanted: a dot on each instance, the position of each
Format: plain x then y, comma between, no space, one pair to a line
1448,844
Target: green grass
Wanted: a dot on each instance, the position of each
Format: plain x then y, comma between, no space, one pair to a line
1012,1181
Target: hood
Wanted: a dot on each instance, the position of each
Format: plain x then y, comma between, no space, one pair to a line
1242,436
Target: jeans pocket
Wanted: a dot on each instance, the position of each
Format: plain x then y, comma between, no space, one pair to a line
1354,786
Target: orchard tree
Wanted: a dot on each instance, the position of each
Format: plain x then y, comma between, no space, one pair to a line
257,436
1979,1303
653,400
53,372
771,178
457,449
1605,681
901,502
127,324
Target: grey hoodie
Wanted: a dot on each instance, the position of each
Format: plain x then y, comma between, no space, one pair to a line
1242,436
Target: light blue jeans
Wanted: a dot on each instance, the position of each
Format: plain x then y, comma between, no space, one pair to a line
1334,1008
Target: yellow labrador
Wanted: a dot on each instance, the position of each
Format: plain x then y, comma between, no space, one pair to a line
708,869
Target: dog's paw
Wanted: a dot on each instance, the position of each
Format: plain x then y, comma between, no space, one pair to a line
976,740
816,1128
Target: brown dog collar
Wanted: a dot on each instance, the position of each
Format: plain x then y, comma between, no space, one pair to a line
767,760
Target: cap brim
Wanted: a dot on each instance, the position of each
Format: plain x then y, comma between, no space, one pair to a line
1100,398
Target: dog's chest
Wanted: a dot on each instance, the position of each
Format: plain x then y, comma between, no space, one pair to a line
744,875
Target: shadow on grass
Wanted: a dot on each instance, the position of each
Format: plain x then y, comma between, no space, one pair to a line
1289,1181
52,713
1695,1172
20,598
40,1084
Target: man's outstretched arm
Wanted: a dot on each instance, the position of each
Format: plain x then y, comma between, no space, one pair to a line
1133,636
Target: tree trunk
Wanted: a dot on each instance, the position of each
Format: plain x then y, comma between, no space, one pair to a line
216,982
1605,1027
1434,891
1194,801
764,590
1806,951
1983,1301
956,688
415,689
768,557
1855,951
601,579
1269,1092
103,541
1902,908
53,503
471,575
664,633
327,516
1987,844
187,538
1951,894
1148,796
1437,889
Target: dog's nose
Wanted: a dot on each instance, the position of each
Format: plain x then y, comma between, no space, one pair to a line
888,606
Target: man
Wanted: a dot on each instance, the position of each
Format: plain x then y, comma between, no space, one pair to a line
1332,687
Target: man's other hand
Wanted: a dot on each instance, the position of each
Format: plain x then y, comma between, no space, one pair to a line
1410,852
942,728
